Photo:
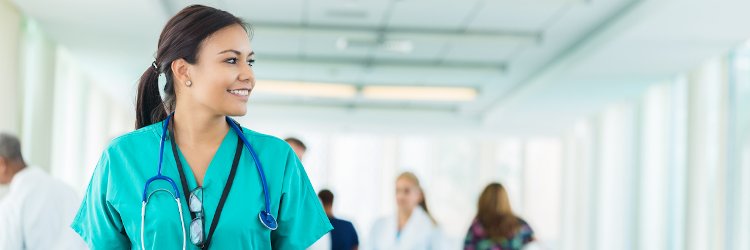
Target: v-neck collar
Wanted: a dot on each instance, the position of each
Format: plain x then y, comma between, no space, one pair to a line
218,168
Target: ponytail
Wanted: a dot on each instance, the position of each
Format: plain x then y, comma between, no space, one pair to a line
149,106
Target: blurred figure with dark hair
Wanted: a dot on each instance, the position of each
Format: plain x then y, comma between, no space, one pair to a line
343,236
297,145
495,226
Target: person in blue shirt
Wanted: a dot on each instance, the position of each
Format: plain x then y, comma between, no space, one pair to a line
343,236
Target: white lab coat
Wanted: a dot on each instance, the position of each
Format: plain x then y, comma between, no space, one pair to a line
36,213
324,243
419,233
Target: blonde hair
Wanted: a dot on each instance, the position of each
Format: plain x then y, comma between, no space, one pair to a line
411,177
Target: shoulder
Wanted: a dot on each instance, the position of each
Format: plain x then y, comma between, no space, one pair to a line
268,145
131,148
264,139
149,133
343,223
525,229
140,140
381,223
52,184
522,222
476,223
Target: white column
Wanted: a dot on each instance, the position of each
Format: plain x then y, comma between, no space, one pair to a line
38,74
10,104
616,175
653,176
677,132
577,204
96,137
69,114
743,218
738,183
707,143
10,88
542,187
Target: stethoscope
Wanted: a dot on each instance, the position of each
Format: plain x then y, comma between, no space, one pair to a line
264,216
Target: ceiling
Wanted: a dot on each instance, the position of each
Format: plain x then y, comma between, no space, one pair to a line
529,61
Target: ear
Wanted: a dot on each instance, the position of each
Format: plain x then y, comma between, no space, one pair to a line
180,71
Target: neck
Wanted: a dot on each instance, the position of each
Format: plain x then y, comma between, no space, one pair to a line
15,168
329,211
194,127
403,216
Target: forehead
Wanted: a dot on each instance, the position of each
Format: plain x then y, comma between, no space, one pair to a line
404,182
232,37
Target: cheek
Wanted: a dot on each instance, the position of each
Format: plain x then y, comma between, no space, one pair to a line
213,87
209,92
414,198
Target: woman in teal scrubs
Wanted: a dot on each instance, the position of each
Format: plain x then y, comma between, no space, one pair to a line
206,58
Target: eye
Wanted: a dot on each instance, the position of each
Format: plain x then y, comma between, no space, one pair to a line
251,62
231,60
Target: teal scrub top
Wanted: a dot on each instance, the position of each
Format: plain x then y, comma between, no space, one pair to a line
110,214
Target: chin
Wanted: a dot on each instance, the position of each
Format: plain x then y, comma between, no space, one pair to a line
237,112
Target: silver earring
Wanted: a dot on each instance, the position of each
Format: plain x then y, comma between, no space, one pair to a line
189,83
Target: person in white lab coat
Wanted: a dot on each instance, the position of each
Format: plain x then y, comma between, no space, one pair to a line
412,227
38,209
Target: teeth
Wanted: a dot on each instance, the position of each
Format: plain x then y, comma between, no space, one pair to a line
242,92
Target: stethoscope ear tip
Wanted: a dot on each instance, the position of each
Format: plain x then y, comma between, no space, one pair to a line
268,220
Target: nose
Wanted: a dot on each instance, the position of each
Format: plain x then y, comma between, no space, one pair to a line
247,74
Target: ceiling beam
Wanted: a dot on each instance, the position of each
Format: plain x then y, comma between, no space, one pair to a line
448,35
488,67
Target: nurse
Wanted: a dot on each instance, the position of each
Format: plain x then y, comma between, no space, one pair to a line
412,227
190,177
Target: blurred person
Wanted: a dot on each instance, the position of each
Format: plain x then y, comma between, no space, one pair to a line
343,236
495,226
38,208
297,145
412,227
188,140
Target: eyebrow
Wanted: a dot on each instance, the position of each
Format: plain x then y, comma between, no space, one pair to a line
236,52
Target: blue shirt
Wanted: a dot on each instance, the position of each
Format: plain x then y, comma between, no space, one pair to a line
343,235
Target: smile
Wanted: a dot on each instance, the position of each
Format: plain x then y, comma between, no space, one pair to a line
240,92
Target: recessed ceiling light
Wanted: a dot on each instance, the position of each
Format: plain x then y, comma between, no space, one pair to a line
418,93
399,46
305,89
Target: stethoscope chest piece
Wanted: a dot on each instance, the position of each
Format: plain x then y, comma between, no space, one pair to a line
267,220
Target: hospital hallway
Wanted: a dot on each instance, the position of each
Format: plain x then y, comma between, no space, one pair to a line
611,124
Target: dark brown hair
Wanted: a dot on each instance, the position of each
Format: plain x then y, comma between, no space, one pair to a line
180,39
326,197
495,214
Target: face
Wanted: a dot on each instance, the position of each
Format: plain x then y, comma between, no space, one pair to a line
298,150
408,195
222,78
